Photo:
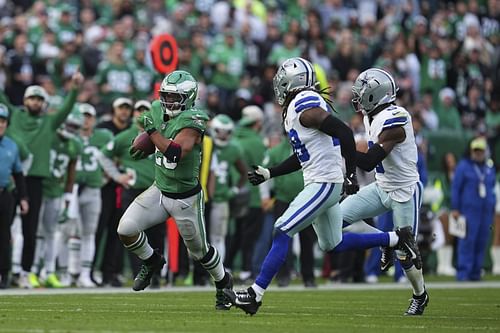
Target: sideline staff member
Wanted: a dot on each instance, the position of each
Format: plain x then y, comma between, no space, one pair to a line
10,165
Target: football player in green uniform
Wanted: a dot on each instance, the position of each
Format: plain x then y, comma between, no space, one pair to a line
176,128
134,175
89,177
57,189
228,156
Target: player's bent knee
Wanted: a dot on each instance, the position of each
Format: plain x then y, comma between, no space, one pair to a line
187,230
126,227
328,245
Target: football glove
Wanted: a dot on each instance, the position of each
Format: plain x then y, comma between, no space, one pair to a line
137,154
63,217
148,124
351,185
258,175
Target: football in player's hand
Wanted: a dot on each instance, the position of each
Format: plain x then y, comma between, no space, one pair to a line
143,143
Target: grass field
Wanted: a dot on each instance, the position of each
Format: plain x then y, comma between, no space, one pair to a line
324,310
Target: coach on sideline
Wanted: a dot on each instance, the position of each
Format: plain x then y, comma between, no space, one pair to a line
10,165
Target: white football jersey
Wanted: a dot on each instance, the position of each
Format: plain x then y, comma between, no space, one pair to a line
318,153
397,174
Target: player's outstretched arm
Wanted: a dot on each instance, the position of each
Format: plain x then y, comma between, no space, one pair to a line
69,101
387,139
261,174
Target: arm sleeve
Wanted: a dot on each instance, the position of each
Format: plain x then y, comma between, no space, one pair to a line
5,100
336,128
369,160
289,165
62,113
108,166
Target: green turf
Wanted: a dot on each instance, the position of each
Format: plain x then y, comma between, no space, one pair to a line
450,310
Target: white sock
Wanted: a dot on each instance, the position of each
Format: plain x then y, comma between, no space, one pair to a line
87,251
50,254
141,247
416,279
393,238
259,292
74,255
213,264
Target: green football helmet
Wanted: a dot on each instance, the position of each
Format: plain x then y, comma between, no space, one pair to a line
372,88
221,129
178,92
69,129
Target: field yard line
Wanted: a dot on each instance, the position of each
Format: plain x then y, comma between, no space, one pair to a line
332,286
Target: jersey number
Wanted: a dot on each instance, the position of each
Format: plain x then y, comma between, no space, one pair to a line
298,147
58,163
90,153
379,168
162,161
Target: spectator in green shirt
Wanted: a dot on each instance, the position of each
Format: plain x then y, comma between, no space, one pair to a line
447,112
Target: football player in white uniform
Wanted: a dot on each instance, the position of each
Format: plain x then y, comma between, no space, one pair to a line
393,154
319,140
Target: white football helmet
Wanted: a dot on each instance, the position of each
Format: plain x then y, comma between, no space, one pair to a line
372,88
293,74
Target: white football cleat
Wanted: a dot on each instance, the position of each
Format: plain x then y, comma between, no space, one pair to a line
84,281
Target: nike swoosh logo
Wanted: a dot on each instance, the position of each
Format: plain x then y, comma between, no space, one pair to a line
183,208
242,303
413,254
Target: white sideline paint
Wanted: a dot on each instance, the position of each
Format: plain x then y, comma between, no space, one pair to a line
298,288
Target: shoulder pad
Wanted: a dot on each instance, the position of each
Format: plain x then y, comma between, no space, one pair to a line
306,100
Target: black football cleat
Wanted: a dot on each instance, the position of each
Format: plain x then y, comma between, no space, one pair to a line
244,299
408,245
386,258
150,266
417,305
222,302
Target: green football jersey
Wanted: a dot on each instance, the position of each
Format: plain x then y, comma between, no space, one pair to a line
118,77
142,171
89,172
184,175
286,187
222,167
252,145
61,153
37,132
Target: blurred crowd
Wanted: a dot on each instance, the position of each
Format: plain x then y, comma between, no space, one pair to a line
444,56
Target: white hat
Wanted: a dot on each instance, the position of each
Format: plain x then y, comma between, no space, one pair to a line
142,103
250,114
86,108
446,92
121,101
35,90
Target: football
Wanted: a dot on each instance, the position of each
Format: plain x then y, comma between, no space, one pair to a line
143,142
